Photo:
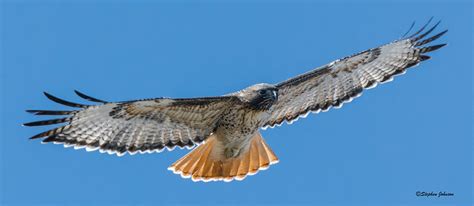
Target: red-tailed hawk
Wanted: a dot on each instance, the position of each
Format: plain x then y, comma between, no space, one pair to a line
225,129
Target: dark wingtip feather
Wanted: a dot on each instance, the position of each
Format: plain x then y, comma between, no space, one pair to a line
63,102
49,112
428,40
86,97
51,138
421,29
431,48
421,36
46,122
34,137
424,57
411,27
42,134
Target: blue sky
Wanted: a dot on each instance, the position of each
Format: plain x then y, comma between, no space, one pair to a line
414,134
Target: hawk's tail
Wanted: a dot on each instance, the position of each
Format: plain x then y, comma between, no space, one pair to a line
207,164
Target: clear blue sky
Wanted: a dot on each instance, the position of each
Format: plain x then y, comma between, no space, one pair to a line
413,134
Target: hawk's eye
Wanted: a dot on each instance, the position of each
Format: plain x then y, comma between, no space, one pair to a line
262,92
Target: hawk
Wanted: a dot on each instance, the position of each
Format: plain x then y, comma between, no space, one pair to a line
225,129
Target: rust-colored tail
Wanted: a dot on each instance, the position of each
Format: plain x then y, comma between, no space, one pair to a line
207,163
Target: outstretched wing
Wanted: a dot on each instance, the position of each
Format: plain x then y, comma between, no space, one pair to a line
134,126
338,82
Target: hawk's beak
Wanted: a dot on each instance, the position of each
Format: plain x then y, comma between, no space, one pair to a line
275,95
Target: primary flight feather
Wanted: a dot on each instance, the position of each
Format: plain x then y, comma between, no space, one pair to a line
225,129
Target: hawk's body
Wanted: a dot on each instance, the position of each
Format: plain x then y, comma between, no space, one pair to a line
226,128
235,148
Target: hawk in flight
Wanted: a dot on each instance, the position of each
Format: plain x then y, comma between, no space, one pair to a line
225,130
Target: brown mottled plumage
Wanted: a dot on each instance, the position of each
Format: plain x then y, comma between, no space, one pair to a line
226,127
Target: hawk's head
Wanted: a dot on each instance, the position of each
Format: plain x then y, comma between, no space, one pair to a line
259,96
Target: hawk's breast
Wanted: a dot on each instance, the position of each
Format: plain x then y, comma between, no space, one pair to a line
237,127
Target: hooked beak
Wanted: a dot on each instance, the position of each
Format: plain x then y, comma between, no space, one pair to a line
275,95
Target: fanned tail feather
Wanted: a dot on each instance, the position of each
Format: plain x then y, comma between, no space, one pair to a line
206,163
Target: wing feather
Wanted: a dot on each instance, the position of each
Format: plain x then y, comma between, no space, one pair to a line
342,80
134,126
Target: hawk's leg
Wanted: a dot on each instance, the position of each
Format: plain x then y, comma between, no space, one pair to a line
232,152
